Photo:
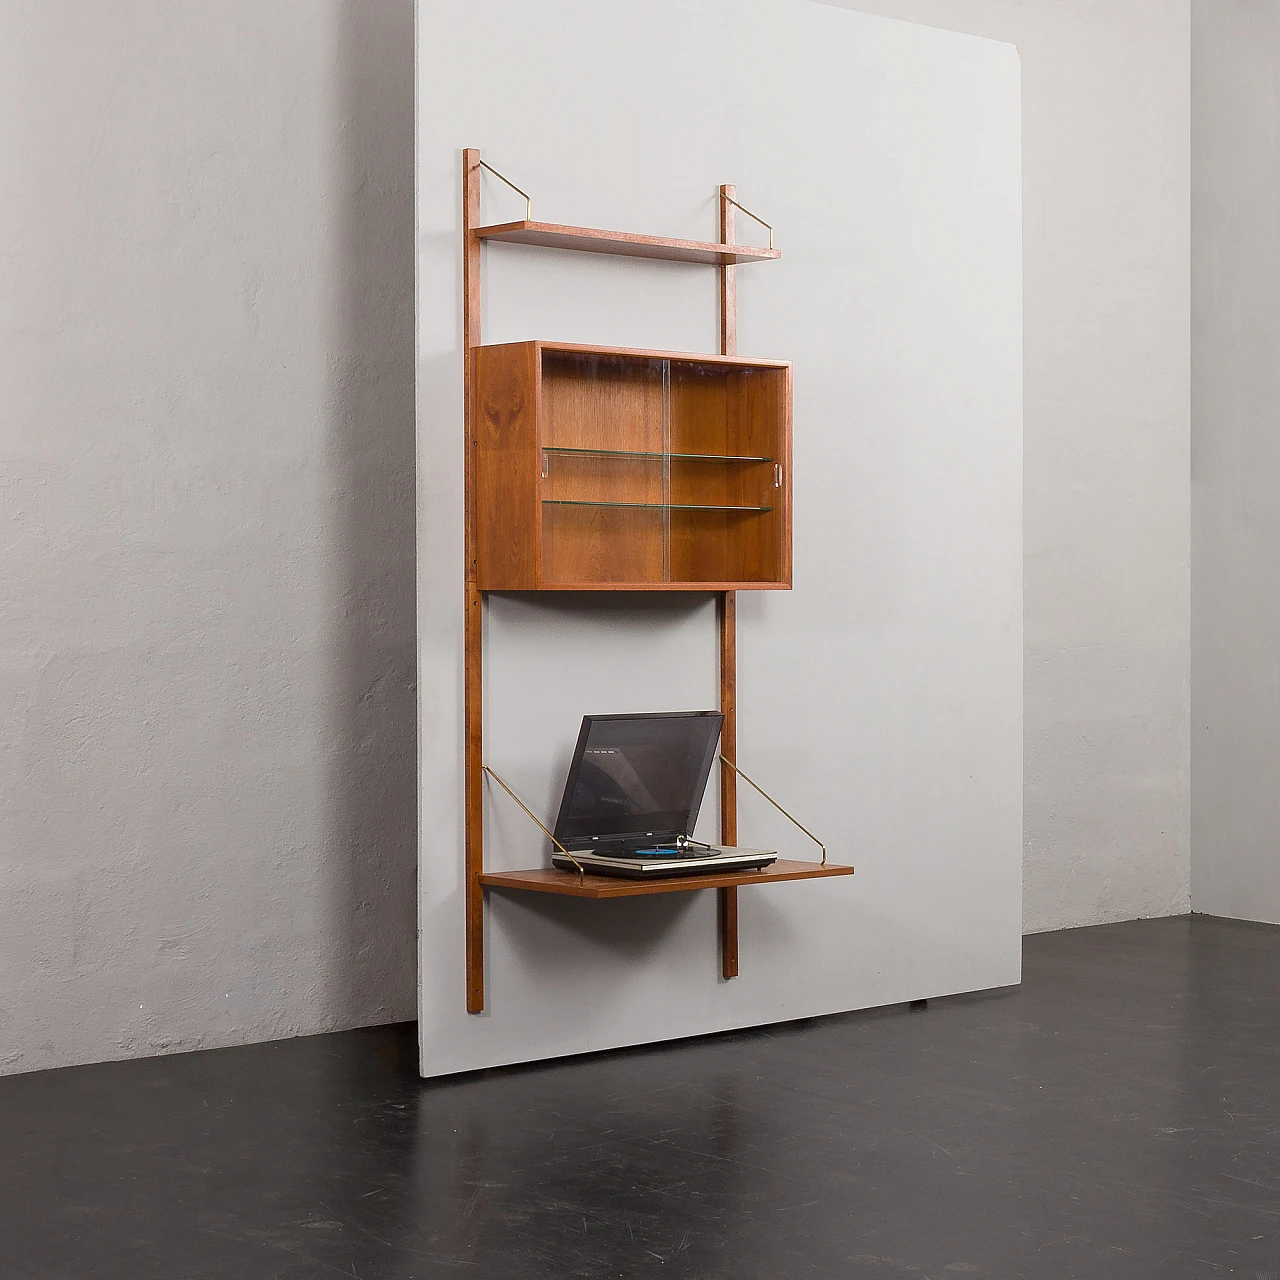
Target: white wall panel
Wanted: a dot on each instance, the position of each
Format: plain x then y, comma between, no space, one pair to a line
883,696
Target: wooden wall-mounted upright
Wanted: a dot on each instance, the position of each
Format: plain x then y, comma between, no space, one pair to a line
473,605
727,618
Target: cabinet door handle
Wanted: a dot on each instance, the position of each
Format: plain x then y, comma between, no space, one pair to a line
777,475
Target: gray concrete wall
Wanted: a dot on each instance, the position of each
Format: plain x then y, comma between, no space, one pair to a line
1235,202
207,788
1105,101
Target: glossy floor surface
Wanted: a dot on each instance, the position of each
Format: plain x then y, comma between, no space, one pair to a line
1118,1116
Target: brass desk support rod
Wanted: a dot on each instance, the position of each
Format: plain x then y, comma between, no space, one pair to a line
777,806
582,871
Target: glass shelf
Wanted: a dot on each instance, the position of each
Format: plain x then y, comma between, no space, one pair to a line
648,506
640,453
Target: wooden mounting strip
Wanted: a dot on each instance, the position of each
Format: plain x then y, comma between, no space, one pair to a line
727,616
473,601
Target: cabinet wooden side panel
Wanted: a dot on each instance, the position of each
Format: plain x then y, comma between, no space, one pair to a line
784,452
507,467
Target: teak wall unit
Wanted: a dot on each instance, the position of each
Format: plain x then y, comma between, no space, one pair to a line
610,469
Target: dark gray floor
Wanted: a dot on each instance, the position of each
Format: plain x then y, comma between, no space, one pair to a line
1116,1117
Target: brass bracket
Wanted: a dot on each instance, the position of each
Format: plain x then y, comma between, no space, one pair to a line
755,217
776,805
582,871
528,203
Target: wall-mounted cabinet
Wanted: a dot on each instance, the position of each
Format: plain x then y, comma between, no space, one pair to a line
609,468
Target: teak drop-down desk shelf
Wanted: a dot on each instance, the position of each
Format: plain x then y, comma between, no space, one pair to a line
595,468
549,880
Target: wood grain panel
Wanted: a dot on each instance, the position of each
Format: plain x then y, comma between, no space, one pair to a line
699,540
593,401
507,467
756,409
593,547
473,763
727,625
583,478
727,605
727,919
736,411
473,605
590,402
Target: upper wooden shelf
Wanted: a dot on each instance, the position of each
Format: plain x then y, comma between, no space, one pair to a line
552,235
549,880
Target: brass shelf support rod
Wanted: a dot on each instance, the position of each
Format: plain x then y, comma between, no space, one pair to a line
776,805
528,203
582,871
755,217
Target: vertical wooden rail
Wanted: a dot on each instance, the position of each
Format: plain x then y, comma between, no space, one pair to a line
728,625
728,608
473,604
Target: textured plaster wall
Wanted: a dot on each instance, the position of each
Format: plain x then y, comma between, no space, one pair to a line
207,738
1235,403
1106,142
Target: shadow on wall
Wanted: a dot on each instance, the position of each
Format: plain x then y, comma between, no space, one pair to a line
372,778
